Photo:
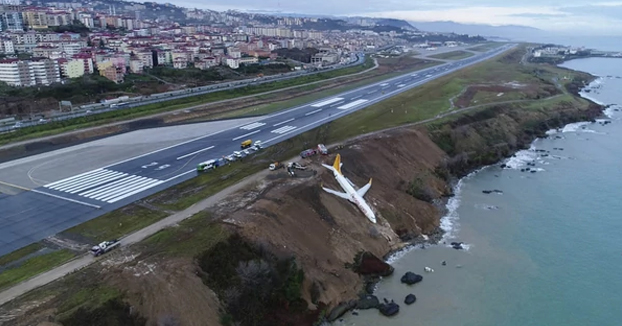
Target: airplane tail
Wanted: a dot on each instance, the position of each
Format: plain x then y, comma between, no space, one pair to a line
336,167
337,164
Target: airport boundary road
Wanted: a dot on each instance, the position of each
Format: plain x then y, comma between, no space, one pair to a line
34,215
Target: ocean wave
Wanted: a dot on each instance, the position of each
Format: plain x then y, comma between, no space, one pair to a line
520,159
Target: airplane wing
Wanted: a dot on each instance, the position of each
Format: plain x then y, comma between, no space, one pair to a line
363,190
337,193
352,183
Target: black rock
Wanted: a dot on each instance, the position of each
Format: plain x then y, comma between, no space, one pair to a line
410,299
340,310
354,313
389,309
487,191
503,166
533,171
367,302
443,263
411,278
457,245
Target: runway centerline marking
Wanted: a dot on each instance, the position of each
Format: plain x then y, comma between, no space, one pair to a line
283,122
196,152
246,135
313,112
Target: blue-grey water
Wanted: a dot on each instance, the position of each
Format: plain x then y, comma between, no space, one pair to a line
545,252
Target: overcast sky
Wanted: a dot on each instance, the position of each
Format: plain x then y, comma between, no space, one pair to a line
598,17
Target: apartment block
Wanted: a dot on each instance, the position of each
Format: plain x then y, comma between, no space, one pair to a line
72,68
29,72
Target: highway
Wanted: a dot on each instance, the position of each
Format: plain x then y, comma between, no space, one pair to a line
33,215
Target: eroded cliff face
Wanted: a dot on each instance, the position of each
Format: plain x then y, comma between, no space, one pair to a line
412,170
324,232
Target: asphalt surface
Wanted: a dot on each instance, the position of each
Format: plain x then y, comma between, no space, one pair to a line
41,212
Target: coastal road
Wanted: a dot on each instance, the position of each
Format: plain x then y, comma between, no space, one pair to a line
35,214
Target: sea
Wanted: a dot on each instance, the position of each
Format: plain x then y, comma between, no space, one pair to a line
544,250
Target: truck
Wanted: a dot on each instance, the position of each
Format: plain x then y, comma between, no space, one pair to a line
276,166
104,247
211,164
247,143
307,153
322,149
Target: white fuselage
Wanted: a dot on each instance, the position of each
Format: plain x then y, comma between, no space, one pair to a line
355,197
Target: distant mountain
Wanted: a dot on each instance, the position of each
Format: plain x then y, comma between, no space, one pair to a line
505,31
396,23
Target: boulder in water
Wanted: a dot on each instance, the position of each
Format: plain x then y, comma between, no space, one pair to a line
410,299
368,264
389,309
340,310
411,278
367,302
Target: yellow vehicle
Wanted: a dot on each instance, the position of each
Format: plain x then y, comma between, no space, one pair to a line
247,143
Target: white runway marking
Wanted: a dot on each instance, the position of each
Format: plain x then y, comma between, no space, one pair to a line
104,185
401,85
327,102
283,130
283,122
245,135
313,112
190,154
351,104
253,125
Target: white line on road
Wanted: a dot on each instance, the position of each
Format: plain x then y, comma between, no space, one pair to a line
245,135
190,154
283,130
354,98
71,178
351,104
323,103
401,85
313,112
283,122
253,125
65,198
333,105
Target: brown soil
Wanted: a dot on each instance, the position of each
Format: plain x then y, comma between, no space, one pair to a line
166,290
295,217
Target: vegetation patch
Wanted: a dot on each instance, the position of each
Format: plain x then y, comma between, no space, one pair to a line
20,253
256,287
453,55
115,224
190,238
33,267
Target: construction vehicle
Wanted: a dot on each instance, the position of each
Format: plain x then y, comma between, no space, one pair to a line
247,143
307,153
322,149
257,146
276,166
104,247
211,164
260,75
295,165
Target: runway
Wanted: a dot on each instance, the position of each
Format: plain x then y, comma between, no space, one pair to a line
33,215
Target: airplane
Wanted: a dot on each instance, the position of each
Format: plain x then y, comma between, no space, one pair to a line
354,196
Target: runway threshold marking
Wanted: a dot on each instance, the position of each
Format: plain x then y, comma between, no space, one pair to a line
67,199
196,152
323,103
246,135
351,104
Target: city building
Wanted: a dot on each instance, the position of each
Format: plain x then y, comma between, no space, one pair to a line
38,71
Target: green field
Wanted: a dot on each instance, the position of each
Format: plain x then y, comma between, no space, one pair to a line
33,267
57,127
485,47
453,55
115,224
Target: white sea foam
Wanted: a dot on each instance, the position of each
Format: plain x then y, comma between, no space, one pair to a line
520,159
